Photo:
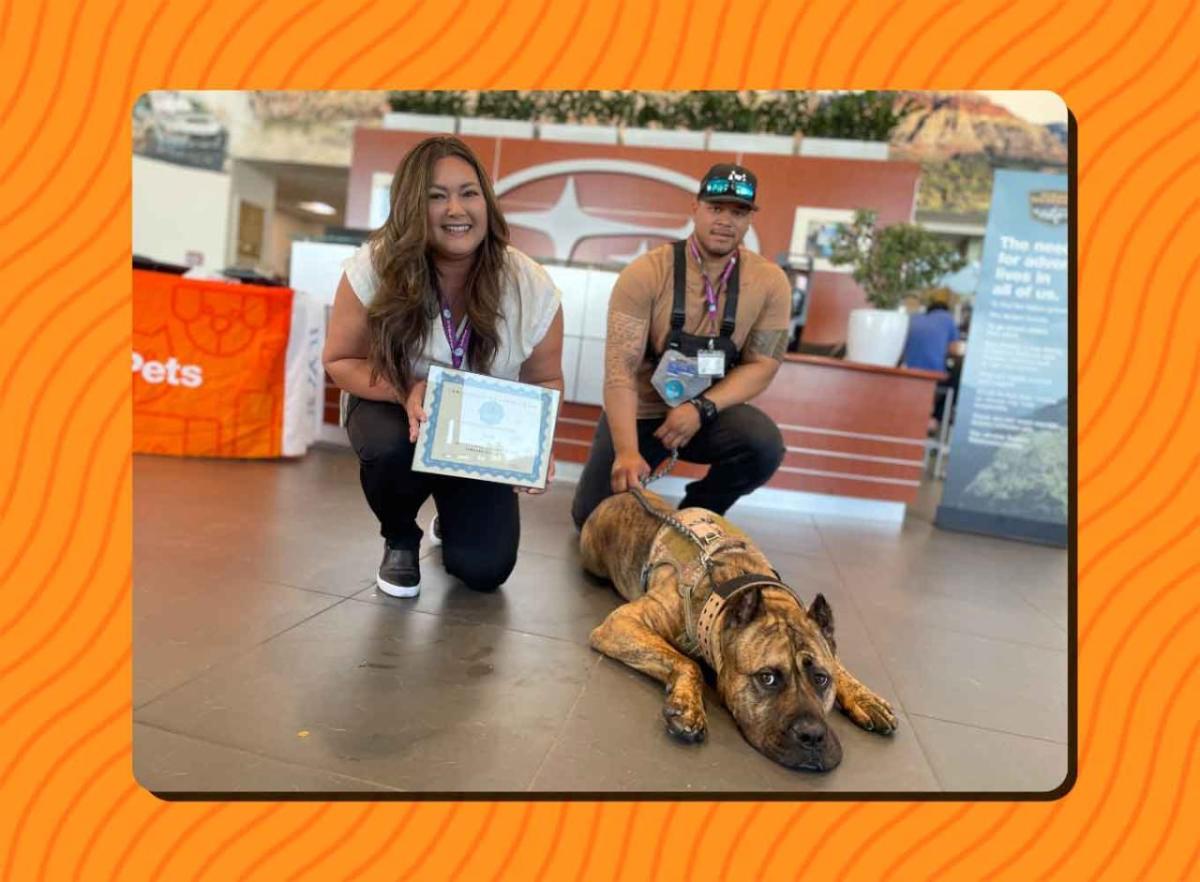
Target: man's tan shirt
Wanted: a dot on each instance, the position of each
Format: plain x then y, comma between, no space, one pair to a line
646,289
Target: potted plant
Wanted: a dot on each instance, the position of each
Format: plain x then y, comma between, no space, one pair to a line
889,263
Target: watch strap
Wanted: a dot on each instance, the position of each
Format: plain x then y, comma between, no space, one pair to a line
705,407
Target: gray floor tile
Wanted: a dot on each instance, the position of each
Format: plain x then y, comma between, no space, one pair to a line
957,561
1049,595
198,496
165,762
971,759
790,533
181,627
615,738
300,556
615,741
398,697
993,684
934,573
896,596
853,540
807,575
331,567
546,525
309,529
244,638
548,596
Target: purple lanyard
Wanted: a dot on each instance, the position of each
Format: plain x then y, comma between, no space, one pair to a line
710,292
458,344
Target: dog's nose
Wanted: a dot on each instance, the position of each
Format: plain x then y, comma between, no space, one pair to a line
808,732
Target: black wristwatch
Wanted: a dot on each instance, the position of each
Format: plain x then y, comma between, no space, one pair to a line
708,410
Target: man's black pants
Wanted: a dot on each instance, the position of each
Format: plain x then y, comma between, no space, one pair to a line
742,446
479,521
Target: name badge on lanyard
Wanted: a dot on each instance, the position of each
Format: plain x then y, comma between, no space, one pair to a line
710,362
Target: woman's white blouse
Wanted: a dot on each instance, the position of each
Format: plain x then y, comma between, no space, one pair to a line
529,301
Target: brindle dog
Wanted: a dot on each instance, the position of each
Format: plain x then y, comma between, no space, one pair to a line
776,667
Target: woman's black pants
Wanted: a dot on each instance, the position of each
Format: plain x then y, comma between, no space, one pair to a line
479,521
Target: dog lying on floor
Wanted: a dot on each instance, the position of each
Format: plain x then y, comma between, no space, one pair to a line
697,587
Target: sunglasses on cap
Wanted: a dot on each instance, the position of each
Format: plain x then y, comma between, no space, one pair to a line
721,186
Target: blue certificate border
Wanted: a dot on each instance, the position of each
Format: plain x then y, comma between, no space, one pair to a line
545,398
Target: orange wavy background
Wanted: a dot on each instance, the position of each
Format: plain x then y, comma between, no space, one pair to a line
69,75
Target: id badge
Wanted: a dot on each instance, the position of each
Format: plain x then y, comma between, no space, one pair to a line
677,378
710,362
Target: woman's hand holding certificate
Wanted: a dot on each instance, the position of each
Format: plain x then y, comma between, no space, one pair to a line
414,408
485,428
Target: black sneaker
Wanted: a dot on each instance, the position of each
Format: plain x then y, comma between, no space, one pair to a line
399,573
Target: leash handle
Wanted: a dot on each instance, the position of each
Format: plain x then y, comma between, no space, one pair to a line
662,471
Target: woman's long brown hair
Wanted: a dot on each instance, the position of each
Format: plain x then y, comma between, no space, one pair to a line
405,309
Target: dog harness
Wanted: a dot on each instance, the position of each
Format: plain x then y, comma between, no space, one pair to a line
688,542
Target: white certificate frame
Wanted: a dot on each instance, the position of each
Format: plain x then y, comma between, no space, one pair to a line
441,450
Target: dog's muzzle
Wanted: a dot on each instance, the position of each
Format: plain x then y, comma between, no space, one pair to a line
808,743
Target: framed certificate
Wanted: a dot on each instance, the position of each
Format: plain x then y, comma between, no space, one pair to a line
486,428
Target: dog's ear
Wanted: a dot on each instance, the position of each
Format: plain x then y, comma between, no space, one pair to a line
744,607
822,616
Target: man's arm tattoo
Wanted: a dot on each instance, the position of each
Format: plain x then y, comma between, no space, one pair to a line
772,344
624,348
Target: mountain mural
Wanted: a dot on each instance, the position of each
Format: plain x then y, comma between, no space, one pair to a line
945,125
960,138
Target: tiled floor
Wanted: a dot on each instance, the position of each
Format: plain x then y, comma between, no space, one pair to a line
265,660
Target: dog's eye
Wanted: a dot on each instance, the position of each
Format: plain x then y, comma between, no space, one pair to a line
820,679
768,678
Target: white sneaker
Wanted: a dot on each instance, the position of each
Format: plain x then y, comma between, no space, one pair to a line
434,533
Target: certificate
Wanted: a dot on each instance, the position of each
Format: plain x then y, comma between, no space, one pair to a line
486,428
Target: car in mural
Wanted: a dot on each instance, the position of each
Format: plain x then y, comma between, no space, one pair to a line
178,128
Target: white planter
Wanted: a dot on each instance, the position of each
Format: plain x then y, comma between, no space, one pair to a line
876,336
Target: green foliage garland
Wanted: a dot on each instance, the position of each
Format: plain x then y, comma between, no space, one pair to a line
869,116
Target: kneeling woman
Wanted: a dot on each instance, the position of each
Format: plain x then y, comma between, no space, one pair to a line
437,284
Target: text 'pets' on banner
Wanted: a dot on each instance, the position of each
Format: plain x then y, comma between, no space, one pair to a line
222,369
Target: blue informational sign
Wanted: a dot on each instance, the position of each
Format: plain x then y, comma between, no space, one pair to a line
1007,471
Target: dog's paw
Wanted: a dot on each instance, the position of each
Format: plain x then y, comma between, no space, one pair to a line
685,721
872,713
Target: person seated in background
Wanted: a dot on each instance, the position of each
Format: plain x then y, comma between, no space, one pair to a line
932,338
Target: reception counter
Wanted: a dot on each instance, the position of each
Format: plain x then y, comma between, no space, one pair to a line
854,432
851,429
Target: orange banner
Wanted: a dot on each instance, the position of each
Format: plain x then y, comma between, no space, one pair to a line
208,366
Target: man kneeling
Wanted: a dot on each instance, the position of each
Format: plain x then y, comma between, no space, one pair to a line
695,330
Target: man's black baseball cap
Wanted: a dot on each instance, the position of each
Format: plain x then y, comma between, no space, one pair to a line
726,182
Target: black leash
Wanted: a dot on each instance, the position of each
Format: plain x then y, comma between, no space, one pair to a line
668,519
706,558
